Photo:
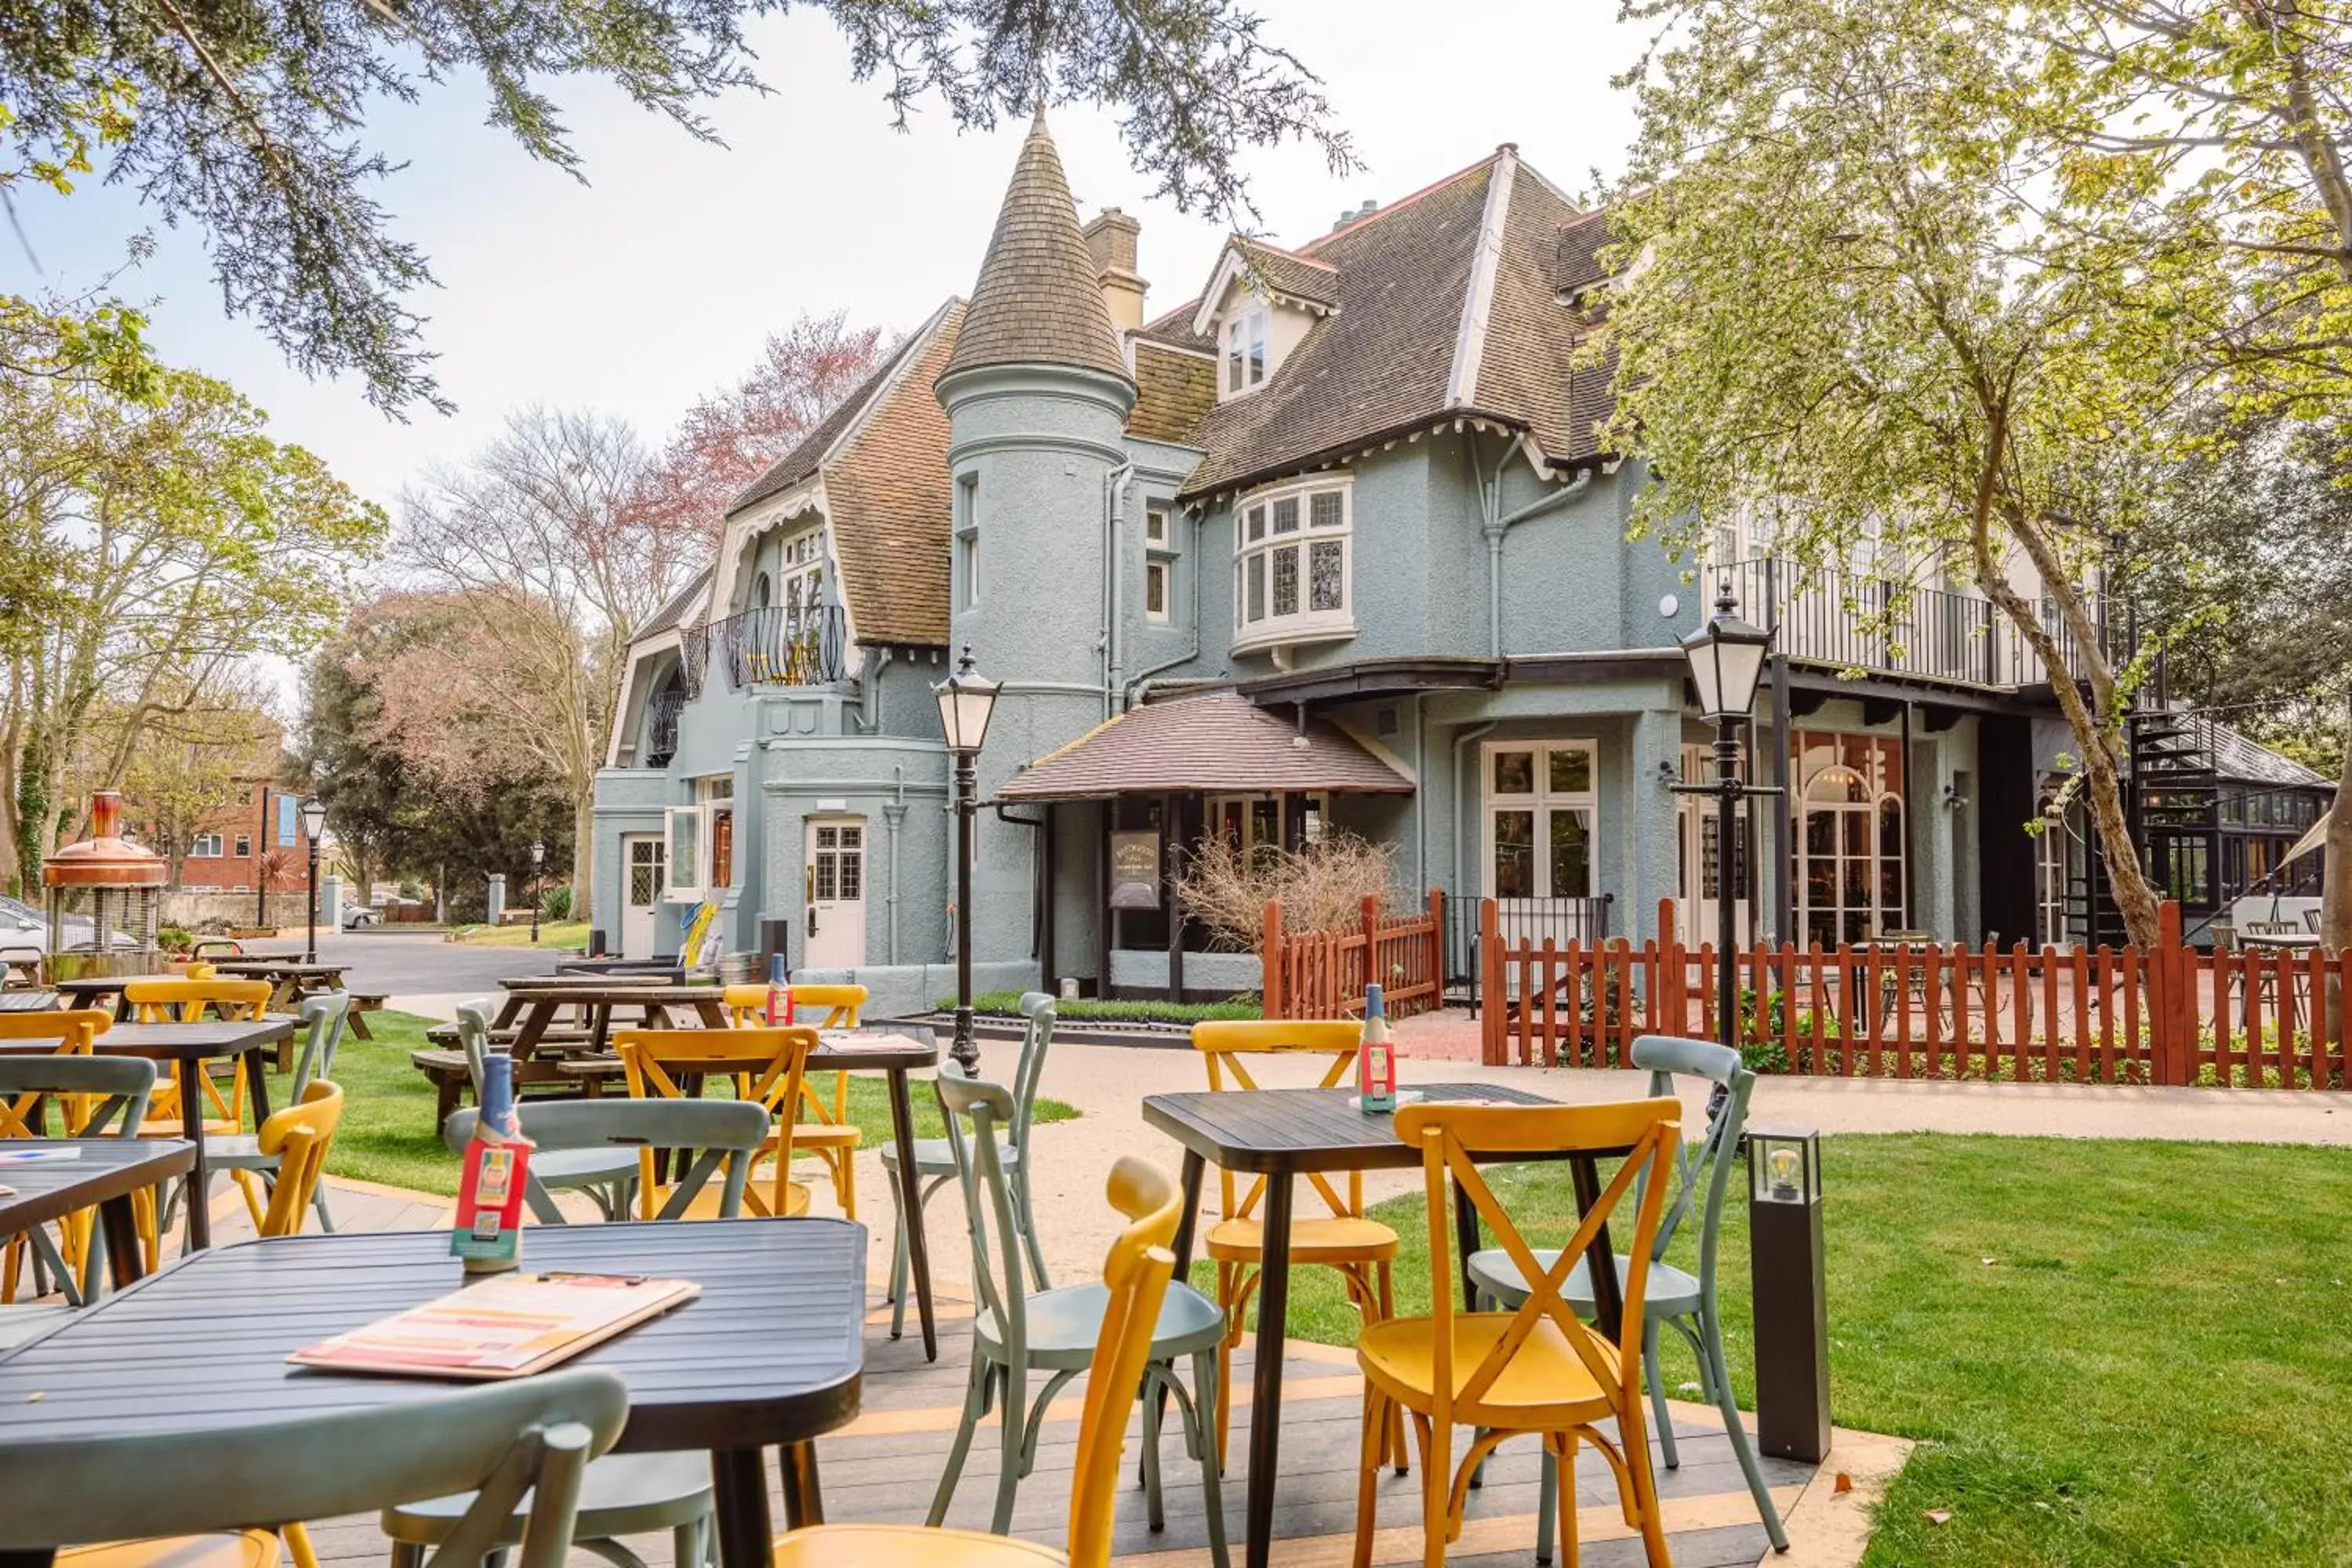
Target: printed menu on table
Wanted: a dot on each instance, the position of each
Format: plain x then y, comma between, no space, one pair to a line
501,1328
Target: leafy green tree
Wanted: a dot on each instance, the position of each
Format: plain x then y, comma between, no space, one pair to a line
1870,289
248,118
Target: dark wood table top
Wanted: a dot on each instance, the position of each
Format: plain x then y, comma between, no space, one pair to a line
192,1042
1274,1130
854,1050
28,1001
293,968
102,1168
614,993
581,982
771,1351
83,985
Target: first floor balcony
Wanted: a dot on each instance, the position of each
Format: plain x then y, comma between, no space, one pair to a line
1881,624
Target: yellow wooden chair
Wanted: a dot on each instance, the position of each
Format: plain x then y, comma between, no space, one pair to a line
825,1129
1538,1369
70,1032
299,1137
185,1001
768,1065
1136,1276
1362,1250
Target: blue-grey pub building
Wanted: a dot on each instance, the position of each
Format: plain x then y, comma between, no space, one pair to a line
1329,546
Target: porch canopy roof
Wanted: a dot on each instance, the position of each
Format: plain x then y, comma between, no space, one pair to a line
1216,745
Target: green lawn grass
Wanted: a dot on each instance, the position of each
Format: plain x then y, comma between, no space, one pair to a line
388,1133
569,934
2111,1352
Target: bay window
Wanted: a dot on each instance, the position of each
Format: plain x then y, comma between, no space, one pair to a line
1293,550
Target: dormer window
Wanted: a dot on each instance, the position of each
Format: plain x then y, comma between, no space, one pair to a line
1246,335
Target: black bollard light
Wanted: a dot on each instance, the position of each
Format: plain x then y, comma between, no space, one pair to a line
1791,1303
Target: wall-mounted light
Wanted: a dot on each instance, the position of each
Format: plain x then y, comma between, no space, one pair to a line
1954,800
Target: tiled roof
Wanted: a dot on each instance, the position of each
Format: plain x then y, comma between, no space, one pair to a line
1038,301
673,609
1175,330
802,461
1411,300
1219,742
1575,253
887,498
1175,391
1289,273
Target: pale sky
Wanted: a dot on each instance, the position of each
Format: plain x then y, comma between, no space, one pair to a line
658,279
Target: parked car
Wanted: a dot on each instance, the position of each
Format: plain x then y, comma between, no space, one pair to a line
24,928
359,915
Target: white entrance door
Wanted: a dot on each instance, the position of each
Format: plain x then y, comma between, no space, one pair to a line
834,929
642,874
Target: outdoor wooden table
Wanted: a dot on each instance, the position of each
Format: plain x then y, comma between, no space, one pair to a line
104,1174
895,1055
1285,1133
531,1008
189,1047
28,1001
2291,941
103,990
771,1351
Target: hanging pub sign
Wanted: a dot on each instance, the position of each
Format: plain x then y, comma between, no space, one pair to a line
1135,870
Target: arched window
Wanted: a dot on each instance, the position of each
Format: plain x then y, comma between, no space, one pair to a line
1849,880
763,593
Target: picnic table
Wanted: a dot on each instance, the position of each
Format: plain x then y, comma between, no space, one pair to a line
531,1007
105,1173
770,1353
103,991
1283,1134
28,1001
189,1047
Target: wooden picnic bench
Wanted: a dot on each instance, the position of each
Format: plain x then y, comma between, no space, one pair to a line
453,1079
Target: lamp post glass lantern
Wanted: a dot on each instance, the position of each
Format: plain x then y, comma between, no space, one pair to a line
538,859
1727,660
966,701
314,824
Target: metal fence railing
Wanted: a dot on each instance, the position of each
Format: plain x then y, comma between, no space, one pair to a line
1562,921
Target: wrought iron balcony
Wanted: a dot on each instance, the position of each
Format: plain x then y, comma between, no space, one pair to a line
777,644
1877,624
661,726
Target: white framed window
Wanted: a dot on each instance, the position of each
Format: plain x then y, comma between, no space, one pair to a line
967,541
1292,560
699,841
244,845
800,570
1158,568
1542,807
1246,332
204,846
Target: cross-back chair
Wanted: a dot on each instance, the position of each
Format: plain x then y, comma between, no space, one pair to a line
184,1001
323,1019
1537,1368
1362,1250
768,1065
1054,1331
1135,1284
201,1495
607,1175
935,1164
96,1096
824,1129
1701,1180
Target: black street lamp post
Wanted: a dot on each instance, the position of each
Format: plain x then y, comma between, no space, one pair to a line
966,701
314,823
538,859
1727,660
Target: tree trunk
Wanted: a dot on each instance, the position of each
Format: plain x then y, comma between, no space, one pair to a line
583,854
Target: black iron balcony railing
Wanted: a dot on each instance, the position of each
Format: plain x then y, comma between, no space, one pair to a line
779,645
661,725
1877,624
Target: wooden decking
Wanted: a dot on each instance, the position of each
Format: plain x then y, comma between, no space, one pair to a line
887,1465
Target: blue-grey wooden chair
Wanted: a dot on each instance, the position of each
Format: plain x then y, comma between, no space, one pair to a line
608,1175
323,1020
522,1447
935,1164
623,1494
121,1087
1686,1301
1055,1330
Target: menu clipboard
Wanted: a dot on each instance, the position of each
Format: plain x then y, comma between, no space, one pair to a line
503,1328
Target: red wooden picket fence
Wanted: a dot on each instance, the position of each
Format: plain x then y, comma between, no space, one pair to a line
2168,1015
1322,974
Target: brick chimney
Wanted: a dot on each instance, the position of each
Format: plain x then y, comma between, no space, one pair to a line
1110,239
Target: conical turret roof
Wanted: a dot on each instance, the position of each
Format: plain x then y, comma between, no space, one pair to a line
1038,301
